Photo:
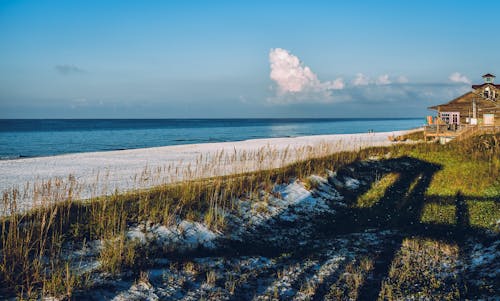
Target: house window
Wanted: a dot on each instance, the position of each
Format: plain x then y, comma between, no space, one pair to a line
445,116
450,117
486,94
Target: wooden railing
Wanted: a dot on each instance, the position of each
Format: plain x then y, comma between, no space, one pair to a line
442,128
459,132
467,132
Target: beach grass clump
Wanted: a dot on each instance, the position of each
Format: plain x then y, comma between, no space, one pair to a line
349,283
424,269
118,253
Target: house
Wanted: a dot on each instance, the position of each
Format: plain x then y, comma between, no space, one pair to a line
477,109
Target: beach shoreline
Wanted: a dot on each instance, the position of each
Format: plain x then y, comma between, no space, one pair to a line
126,170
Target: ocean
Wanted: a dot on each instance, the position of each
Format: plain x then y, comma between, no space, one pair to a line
23,138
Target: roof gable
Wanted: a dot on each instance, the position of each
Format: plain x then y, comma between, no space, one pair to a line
461,99
475,87
465,99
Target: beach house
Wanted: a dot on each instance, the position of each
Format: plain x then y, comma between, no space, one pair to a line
476,110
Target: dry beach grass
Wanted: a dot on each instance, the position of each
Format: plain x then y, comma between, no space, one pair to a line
88,175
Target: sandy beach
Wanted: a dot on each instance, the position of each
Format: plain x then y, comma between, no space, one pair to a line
98,173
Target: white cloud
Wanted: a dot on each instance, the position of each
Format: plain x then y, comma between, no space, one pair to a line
338,84
402,79
457,77
423,93
383,80
287,71
297,82
361,80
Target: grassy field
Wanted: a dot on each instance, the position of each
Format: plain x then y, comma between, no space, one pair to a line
438,196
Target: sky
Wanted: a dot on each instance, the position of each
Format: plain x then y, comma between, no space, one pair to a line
241,59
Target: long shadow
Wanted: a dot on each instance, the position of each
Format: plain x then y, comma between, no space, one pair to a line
400,217
400,208
248,292
386,214
462,216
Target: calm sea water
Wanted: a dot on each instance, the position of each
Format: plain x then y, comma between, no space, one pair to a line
46,137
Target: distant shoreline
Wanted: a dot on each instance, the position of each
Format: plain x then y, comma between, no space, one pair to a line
41,138
22,157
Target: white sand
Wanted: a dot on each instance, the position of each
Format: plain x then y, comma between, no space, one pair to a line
122,170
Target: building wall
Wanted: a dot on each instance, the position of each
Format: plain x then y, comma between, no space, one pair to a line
463,105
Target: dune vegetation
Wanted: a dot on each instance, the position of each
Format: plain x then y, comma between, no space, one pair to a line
417,220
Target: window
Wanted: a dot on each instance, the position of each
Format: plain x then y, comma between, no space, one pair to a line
445,116
450,117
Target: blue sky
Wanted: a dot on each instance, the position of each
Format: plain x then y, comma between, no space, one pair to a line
230,59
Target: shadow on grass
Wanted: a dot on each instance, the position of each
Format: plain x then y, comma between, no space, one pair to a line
400,208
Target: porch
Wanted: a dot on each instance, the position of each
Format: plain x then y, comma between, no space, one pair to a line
447,132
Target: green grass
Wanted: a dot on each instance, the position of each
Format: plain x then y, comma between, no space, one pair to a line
435,213
470,177
377,190
467,168
483,214
470,168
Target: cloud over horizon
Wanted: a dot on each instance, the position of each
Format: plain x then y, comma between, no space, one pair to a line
384,79
296,82
457,77
360,80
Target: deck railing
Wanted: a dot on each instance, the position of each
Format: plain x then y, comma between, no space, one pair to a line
458,131
443,128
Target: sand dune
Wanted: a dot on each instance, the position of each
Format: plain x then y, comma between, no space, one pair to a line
103,172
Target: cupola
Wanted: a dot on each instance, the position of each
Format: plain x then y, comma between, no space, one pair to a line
489,78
